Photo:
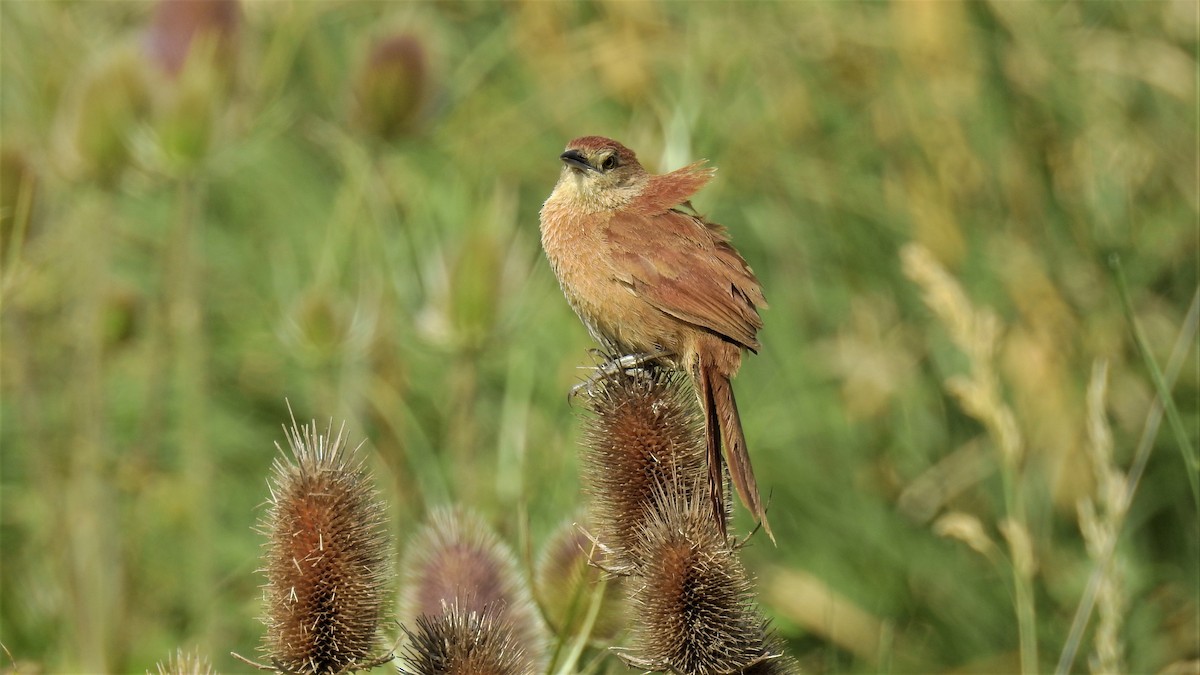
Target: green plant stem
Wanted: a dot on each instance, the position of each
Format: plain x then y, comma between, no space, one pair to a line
185,317
93,563
20,229
1022,586
1083,613
585,630
1190,462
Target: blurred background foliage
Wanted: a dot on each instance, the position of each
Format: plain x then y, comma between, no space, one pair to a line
212,210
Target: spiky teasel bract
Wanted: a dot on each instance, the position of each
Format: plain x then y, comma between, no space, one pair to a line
459,641
184,663
457,562
691,600
777,662
569,572
645,432
326,557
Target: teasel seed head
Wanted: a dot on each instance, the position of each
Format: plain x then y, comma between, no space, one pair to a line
391,90
458,641
101,115
456,562
326,558
568,574
645,432
692,603
178,25
185,663
193,45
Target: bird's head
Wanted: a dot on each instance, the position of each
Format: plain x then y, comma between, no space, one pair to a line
600,173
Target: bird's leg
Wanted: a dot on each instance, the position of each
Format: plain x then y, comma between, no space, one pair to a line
626,363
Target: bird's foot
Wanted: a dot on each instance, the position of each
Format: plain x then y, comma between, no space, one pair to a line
629,364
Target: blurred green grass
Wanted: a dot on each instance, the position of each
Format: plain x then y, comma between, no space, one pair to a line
244,241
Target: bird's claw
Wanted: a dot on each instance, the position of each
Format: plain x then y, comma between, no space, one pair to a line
629,364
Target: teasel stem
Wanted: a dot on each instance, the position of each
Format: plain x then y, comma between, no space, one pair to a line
186,329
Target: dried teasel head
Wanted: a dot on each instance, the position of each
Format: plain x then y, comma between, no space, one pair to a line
569,576
101,114
692,602
459,641
184,663
391,89
645,432
457,562
193,45
326,558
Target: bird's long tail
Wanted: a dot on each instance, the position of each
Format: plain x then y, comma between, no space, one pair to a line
723,426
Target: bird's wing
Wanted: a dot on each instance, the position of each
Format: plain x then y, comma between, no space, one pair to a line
686,267
669,190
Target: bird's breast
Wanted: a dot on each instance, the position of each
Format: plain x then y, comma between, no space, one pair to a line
614,314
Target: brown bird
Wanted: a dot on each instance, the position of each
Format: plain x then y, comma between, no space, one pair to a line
656,282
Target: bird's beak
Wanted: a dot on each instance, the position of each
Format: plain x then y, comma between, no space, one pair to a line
576,160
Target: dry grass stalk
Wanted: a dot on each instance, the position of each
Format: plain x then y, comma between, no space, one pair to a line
968,529
976,333
1100,522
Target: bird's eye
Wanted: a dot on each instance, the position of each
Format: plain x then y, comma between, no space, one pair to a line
609,163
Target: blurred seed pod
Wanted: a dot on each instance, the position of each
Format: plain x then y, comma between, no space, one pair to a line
472,280
645,432
185,663
457,562
391,89
568,572
194,45
464,642
692,606
123,316
319,326
325,559
18,194
178,26
102,113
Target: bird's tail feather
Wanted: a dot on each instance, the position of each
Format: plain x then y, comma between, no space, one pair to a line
723,426
712,437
